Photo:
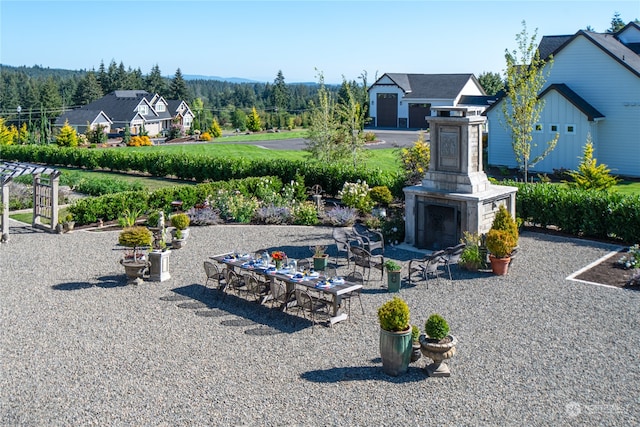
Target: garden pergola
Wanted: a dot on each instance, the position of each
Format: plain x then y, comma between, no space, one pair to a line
45,194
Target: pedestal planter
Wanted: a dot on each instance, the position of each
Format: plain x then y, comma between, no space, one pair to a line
438,351
320,263
185,233
159,266
68,226
416,352
134,270
393,281
178,243
499,266
395,351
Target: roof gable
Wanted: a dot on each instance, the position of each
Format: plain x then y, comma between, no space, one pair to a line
439,86
587,109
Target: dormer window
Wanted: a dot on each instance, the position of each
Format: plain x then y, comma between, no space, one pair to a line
160,107
142,109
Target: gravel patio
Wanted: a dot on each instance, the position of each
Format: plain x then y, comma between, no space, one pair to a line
80,347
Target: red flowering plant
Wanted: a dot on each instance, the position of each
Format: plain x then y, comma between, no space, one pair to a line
278,256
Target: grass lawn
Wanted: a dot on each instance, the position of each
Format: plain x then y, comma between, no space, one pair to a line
628,187
149,182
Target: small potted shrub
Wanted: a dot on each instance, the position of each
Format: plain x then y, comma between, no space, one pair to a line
136,237
395,336
68,223
393,275
437,345
501,240
416,354
180,222
320,258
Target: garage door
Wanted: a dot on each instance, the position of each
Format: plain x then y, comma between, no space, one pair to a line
387,110
418,114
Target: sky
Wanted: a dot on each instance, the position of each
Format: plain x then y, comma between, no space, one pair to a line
303,39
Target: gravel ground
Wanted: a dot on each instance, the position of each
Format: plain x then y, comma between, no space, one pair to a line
80,347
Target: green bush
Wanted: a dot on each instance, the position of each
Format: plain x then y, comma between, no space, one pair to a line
436,327
180,221
415,333
135,237
500,243
305,213
394,315
504,221
381,194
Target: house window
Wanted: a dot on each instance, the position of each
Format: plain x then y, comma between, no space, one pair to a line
570,129
142,109
538,128
553,128
160,107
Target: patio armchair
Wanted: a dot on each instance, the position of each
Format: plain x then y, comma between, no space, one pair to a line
343,239
427,266
452,256
307,303
371,240
363,258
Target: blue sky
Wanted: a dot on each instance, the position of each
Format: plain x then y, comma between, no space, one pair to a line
254,40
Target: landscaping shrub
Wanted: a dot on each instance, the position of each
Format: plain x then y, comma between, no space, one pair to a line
341,216
356,195
275,215
305,213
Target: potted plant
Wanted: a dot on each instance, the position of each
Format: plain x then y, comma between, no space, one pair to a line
416,354
393,275
136,237
159,259
395,336
180,222
437,345
501,239
471,256
68,223
320,259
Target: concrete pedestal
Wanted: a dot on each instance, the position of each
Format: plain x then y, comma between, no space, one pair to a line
159,266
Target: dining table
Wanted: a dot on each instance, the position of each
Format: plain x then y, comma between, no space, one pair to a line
330,289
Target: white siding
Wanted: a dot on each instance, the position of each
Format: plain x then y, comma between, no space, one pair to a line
604,83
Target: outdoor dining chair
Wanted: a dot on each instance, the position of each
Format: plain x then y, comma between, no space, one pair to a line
304,264
213,273
427,266
307,303
234,282
343,238
452,256
279,294
371,240
254,287
363,258
358,278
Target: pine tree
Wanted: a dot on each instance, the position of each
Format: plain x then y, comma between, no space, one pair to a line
67,137
88,90
155,83
590,175
253,121
178,88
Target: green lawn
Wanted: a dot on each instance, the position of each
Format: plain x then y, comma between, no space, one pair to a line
628,187
151,183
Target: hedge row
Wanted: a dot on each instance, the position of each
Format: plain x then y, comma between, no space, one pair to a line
588,213
111,206
202,168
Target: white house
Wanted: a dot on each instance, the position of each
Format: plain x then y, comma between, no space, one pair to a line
593,88
399,100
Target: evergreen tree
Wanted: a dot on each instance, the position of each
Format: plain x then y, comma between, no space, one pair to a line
280,95
253,121
102,78
67,137
88,90
6,136
155,83
322,133
239,119
521,107
216,131
50,98
590,175
178,88
616,23
491,82
135,81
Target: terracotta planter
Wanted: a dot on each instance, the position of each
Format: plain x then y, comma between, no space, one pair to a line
395,351
499,266
438,351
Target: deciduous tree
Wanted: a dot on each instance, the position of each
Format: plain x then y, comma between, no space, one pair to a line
322,133
491,82
525,75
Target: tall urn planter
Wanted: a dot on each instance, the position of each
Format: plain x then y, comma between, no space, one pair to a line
136,237
393,275
437,345
159,266
395,337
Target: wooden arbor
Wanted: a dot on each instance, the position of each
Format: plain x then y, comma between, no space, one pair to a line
45,195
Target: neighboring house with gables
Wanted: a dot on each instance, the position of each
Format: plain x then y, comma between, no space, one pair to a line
404,101
137,109
593,88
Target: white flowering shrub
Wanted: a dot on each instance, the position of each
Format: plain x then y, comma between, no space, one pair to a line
356,195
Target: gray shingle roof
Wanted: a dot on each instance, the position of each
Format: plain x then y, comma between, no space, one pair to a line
587,109
441,86
78,117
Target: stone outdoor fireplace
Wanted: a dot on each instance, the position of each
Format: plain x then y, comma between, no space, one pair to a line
455,195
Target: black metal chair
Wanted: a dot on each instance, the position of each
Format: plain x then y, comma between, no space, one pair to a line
371,240
307,303
213,273
452,256
427,266
353,277
343,239
363,258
